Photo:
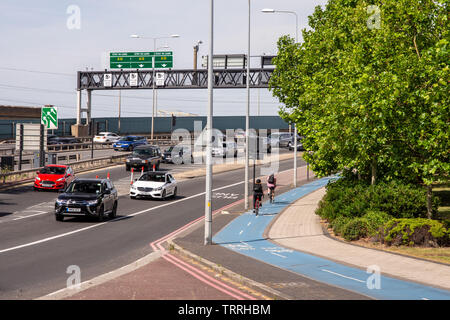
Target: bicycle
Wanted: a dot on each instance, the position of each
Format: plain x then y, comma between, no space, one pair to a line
272,195
257,204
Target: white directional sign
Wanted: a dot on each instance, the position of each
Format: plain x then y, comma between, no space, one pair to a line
133,79
159,79
107,80
49,117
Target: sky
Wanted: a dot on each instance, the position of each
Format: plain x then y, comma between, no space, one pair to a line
44,45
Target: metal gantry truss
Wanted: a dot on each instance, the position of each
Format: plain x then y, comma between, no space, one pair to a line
175,79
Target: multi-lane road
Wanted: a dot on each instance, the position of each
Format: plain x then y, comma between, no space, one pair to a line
36,250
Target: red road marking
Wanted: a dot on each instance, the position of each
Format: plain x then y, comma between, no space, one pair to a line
157,245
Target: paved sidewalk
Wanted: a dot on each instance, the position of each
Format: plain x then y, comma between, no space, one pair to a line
298,228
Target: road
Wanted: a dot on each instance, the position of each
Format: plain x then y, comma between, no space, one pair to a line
36,250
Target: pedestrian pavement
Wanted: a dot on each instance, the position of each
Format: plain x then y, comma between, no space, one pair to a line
296,243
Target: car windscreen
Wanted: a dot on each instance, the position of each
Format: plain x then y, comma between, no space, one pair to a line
144,152
128,139
153,177
170,149
84,187
53,170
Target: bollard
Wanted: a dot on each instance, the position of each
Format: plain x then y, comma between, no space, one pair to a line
142,170
132,173
154,168
96,177
107,176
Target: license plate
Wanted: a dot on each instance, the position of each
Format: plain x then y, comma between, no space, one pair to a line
73,209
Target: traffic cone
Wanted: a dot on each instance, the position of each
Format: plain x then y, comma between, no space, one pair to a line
132,173
96,177
154,168
142,170
108,176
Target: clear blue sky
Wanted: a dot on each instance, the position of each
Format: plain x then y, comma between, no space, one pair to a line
40,55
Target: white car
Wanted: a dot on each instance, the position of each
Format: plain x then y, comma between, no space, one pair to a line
104,137
225,149
154,184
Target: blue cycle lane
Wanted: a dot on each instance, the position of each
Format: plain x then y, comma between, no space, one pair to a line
245,236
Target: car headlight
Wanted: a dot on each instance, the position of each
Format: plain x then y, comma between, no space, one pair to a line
133,187
158,189
60,179
37,178
91,202
61,201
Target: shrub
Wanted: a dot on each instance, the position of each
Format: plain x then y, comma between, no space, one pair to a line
350,199
419,231
375,220
355,229
338,223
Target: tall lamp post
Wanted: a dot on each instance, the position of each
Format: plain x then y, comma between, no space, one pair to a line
267,10
208,180
247,116
136,36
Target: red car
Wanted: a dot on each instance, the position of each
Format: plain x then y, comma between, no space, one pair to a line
53,177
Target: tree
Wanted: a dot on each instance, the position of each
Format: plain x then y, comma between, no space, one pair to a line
370,93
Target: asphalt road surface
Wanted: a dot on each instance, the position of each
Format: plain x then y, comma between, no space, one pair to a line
36,250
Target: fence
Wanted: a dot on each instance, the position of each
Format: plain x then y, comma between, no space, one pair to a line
131,125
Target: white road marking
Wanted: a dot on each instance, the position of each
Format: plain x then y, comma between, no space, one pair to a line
248,224
241,232
116,219
277,254
341,275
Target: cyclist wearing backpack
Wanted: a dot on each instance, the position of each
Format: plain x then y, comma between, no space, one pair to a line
258,193
271,184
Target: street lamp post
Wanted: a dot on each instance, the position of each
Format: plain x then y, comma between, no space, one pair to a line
247,116
153,72
267,10
208,181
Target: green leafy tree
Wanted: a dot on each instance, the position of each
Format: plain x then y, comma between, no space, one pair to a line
368,87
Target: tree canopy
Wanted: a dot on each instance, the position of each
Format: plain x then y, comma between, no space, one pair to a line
368,88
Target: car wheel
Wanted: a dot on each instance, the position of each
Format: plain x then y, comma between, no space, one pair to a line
101,211
133,197
164,194
113,213
269,150
59,217
174,192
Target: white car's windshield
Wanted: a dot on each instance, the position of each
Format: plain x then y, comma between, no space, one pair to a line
153,177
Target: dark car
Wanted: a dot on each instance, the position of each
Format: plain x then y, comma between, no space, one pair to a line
177,155
128,143
89,198
60,140
299,143
144,156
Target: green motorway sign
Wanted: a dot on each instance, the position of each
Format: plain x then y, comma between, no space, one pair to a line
49,117
140,60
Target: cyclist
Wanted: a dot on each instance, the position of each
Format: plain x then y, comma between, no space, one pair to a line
258,193
271,184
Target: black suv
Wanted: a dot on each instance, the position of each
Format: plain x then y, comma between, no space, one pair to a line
87,197
145,156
